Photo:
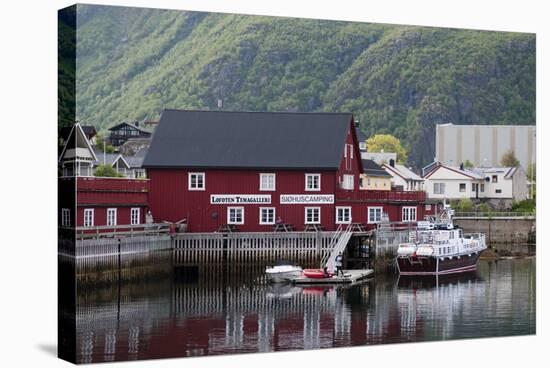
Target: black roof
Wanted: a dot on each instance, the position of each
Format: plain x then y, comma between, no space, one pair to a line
274,140
133,126
372,168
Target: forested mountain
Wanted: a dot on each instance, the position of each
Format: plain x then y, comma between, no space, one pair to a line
133,62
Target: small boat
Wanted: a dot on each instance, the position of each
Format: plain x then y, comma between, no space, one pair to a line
317,273
283,271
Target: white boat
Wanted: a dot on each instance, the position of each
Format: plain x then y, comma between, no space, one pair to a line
439,247
283,271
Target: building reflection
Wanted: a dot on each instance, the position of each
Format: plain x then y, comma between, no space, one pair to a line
211,310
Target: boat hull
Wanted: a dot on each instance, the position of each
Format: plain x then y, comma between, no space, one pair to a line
437,266
283,276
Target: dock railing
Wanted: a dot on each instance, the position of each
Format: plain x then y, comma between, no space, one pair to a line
494,215
96,232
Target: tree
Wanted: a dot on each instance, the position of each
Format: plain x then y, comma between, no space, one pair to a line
468,164
107,171
387,143
509,159
465,205
100,142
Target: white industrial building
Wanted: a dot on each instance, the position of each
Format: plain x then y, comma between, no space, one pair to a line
484,145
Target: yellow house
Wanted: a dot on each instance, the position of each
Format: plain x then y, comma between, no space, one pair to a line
374,177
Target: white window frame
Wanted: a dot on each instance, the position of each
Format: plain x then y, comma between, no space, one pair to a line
407,212
312,189
371,221
459,187
111,221
270,222
229,221
348,182
262,183
312,222
65,217
135,214
189,180
88,217
440,185
342,210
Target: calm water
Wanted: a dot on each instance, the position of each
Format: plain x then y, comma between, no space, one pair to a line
155,311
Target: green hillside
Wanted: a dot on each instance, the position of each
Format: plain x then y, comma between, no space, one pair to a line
132,63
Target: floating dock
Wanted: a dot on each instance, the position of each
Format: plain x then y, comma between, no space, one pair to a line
350,276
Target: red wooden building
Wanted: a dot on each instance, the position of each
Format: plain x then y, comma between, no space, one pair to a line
252,171
103,201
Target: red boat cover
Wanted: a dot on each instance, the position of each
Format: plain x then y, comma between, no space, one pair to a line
316,273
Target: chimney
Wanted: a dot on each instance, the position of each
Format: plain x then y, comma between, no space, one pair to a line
461,166
392,162
137,123
357,122
220,103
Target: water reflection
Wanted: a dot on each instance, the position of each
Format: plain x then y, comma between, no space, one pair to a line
204,310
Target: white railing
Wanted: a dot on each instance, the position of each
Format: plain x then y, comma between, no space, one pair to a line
343,240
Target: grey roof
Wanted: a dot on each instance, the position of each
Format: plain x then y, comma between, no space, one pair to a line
371,168
137,159
408,173
361,137
275,140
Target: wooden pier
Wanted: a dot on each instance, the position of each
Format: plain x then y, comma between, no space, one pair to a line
350,276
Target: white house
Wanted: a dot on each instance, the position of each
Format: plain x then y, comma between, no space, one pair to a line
504,184
77,157
508,183
379,157
445,182
403,178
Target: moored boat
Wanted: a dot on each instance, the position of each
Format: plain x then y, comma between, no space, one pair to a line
439,247
283,271
317,273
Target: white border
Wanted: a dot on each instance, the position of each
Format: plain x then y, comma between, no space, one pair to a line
306,175
274,182
343,208
35,96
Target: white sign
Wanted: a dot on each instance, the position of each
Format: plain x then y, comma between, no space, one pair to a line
307,198
240,199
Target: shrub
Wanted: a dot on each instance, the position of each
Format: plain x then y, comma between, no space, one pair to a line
465,205
107,171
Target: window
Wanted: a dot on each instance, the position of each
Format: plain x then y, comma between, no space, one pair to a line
474,187
343,215
482,187
196,181
111,216
347,182
65,217
88,217
235,215
428,207
495,179
498,191
375,214
313,182
313,215
348,157
134,216
439,188
462,187
267,181
409,213
267,215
